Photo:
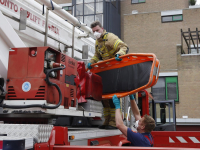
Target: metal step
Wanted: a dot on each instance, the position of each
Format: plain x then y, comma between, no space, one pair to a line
40,133
89,133
58,111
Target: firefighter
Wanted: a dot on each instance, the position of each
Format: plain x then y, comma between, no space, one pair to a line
107,46
145,125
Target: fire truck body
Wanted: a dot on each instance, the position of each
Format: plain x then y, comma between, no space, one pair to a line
33,103
28,68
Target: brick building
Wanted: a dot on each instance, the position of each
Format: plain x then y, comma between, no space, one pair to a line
154,26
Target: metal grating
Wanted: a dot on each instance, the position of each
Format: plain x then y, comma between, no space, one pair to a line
40,93
192,40
159,93
63,58
11,92
158,90
72,92
40,133
171,90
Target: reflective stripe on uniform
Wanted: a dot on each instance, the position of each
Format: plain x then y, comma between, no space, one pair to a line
95,58
105,35
112,111
106,111
112,51
116,44
104,55
106,114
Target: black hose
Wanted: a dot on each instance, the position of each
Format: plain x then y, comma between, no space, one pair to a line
43,9
39,105
2,90
52,5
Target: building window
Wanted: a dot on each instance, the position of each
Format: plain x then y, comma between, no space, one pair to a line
99,17
79,1
89,1
166,89
79,9
67,8
99,7
88,19
137,1
172,18
88,11
177,18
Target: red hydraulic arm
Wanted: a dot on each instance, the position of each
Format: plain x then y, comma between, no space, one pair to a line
143,97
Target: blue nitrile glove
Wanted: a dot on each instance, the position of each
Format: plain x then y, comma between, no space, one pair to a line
89,66
131,97
116,102
117,57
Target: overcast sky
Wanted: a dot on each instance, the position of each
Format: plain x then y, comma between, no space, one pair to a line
198,2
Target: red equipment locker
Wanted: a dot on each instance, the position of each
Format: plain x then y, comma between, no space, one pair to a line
27,70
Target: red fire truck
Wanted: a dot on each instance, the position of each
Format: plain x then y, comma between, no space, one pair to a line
39,110
39,107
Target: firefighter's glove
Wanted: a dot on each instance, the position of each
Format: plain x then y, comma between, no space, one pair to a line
131,97
116,102
117,57
89,66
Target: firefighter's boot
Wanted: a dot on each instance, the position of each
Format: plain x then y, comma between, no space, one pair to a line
106,114
112,123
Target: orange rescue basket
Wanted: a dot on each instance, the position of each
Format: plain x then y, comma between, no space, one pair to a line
128,60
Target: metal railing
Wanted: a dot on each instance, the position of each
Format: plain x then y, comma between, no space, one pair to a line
192,40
